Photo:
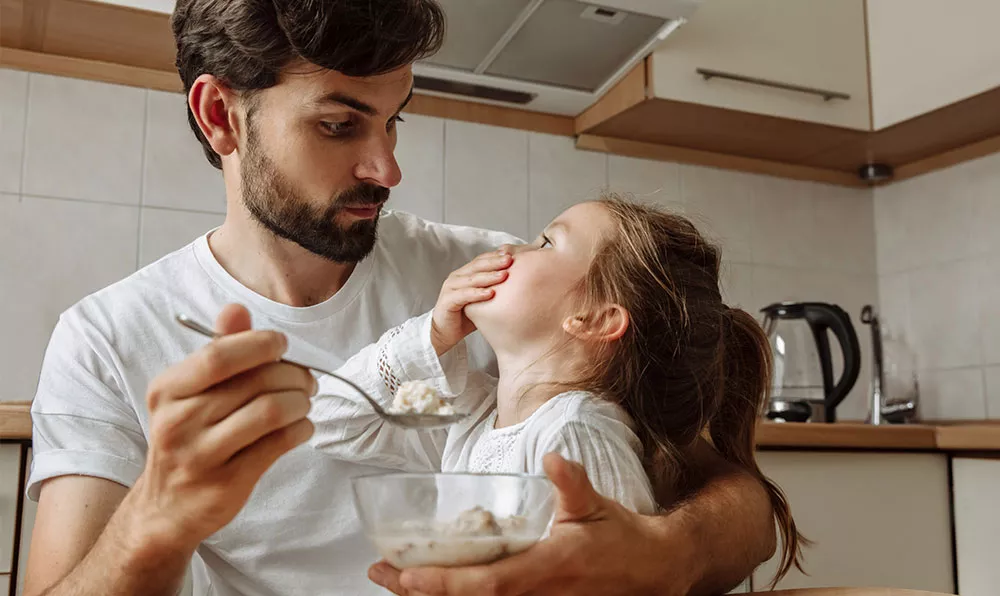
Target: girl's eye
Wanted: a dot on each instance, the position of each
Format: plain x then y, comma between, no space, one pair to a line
337,129
546,243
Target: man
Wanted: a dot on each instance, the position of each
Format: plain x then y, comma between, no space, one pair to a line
156,455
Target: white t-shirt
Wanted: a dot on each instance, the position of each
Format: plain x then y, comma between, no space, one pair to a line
299,532
579,425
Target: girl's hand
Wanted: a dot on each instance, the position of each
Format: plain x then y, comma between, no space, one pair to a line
470,284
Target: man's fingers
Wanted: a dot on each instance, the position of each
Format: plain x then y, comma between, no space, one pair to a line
577,499
518,575
260,417
215,362
232,394
233,319
257,458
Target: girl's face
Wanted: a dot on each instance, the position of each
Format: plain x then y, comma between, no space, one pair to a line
541,290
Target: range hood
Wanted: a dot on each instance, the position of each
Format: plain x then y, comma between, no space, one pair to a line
556,56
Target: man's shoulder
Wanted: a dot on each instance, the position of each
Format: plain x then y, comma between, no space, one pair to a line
406,236
147,291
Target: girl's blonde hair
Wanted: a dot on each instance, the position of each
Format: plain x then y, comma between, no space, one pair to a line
688,364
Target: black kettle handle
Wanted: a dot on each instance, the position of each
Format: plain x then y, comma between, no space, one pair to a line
832,317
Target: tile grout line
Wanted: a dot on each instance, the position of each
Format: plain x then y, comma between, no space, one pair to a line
113,204
24,138
527,190
142,181
445,127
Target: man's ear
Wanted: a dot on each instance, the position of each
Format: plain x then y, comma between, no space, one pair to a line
608,323
216,109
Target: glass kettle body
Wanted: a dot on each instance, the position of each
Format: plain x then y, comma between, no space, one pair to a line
804,387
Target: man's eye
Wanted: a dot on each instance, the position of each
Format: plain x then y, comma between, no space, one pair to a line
337,128
392,122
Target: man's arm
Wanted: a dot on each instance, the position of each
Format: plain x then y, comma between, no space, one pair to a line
76,521
706,545
218,420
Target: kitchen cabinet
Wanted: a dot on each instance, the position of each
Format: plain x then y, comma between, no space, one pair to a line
10,460
877,519
926,54
808,43
976,485
27,523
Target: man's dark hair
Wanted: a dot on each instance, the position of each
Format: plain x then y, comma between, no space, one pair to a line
246,43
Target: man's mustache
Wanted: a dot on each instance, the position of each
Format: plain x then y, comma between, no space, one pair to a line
363,195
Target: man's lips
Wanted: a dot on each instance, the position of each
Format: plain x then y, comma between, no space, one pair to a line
364,211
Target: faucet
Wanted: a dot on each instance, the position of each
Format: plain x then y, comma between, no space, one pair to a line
882,411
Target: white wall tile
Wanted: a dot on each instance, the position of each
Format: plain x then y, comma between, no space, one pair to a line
845,229
784,223
939,219
176,173
163,231
13,106
990,308
891,240
649,180
420,153
894,303
84,140
560,176
486,177
945,315
737,287
992,374
720,203
952,395
68,249
982,183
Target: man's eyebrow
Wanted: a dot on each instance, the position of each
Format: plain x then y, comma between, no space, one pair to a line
357,104
347,100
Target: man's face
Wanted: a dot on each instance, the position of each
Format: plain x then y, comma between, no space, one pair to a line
317,160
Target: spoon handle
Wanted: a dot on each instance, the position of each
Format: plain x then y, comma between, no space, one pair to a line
193,325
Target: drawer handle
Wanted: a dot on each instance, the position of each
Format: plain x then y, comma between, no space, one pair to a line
718,74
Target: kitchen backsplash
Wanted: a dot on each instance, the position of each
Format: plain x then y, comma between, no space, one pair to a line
99,179
939,280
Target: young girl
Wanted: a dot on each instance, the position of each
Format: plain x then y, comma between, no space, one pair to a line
614,349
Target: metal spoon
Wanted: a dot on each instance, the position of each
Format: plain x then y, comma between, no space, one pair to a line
424,421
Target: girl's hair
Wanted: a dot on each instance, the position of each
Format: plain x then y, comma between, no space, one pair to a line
687,364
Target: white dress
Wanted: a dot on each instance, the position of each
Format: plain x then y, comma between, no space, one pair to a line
579,425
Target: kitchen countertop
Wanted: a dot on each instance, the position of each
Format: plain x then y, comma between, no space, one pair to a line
15,423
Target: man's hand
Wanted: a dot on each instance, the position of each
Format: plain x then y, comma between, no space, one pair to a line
472,283
218,421
596,547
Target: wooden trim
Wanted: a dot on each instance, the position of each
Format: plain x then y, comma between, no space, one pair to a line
33,23
93,70
626,93
716,160
467,111
15,420
845,435
947,159
968,437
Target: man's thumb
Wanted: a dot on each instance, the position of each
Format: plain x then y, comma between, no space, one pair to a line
234,318
577,498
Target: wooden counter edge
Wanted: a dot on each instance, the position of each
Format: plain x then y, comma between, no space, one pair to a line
15,420
846,435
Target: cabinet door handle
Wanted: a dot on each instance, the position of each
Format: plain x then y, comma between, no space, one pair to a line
826,94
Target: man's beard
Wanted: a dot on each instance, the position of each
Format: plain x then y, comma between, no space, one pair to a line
274,203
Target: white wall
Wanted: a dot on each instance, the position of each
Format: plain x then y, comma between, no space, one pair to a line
939,276
101,179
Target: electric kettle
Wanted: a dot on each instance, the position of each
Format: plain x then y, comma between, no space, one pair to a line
804,388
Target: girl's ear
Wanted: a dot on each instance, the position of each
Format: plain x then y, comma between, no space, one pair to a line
608,323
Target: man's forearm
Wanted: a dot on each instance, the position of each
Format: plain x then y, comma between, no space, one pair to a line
124,562
730,527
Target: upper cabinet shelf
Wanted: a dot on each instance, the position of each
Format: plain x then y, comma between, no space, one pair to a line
799,59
